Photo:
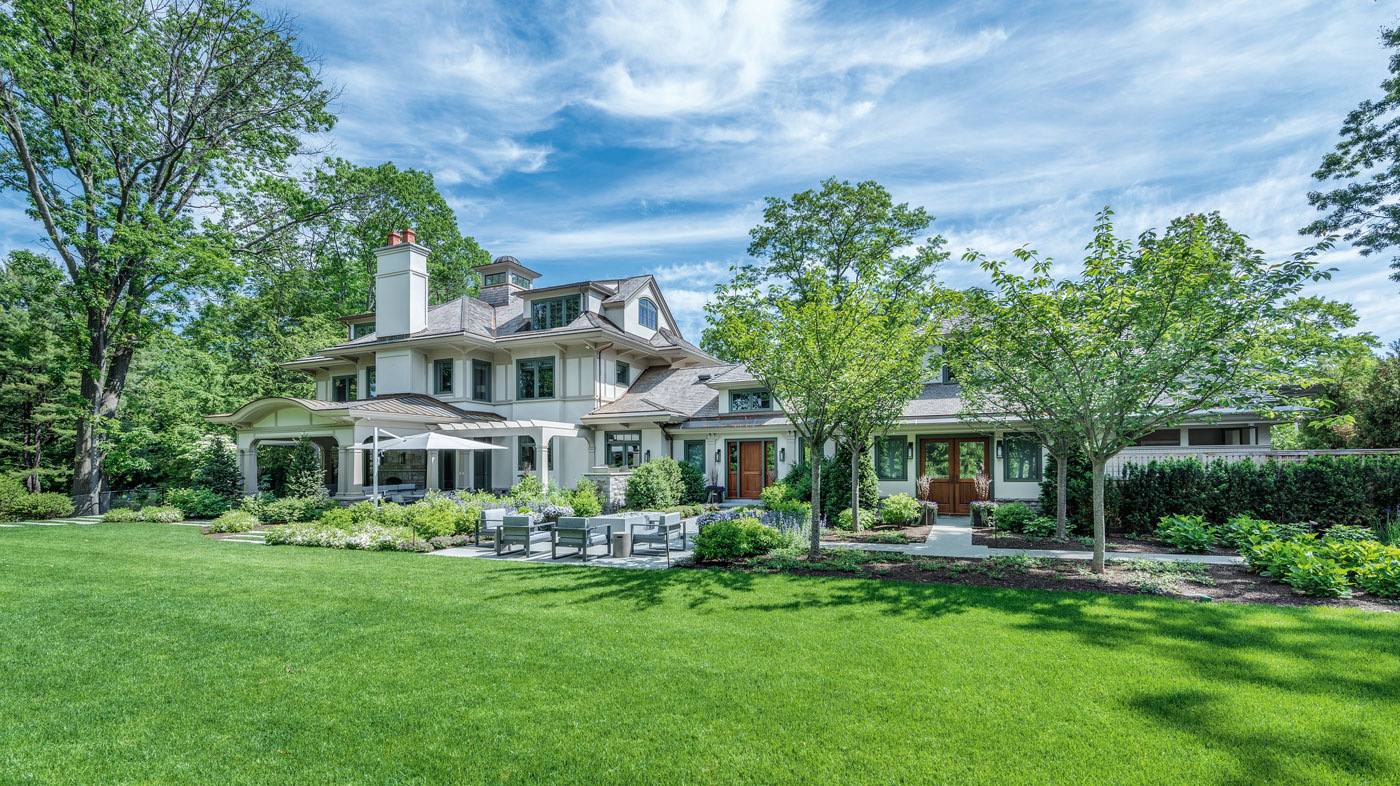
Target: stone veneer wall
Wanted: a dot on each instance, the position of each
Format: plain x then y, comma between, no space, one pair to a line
612,484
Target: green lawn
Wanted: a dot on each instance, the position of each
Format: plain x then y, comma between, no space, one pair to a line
144,653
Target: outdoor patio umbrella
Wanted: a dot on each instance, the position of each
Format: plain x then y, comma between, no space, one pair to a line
431,440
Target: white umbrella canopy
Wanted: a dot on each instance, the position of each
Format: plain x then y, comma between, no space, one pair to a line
432,440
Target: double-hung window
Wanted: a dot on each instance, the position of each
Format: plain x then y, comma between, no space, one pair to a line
481,380
624,373
362,329
534,378
695,453
891,454
343,388
369,381
442,375
1022,461
553,312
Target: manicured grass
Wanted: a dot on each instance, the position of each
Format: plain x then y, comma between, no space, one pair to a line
145,653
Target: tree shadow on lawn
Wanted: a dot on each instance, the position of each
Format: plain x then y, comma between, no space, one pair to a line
699,589
1307,654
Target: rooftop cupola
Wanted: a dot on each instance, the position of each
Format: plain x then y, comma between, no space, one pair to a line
401,285
502,277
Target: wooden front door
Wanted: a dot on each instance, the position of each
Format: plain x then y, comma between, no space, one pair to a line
952,465
752,466
750,469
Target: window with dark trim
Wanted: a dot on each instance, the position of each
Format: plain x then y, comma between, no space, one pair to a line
1022,459
534,378
481,380
343,388
948,376
493,279
442,375
749,400
361,330
624,373
694,452
646,313
553,312
525,461
369,381
624,448
891,454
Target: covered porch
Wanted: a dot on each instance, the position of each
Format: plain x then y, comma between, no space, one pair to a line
541,448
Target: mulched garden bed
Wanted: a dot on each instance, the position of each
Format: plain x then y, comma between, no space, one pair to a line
1189,581
1117,543
878,535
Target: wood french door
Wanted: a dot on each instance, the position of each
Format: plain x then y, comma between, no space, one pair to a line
952,465
752,466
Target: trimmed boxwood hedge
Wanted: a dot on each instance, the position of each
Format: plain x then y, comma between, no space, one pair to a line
1329,490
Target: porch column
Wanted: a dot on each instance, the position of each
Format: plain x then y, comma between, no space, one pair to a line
248,465
433,472
542,458
356,476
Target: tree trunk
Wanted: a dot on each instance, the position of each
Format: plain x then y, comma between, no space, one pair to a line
855,488
815,553
1061,497
1100,532
101,395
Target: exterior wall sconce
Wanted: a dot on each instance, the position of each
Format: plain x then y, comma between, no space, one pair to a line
909,451
719,456
647,456
998,450
782,454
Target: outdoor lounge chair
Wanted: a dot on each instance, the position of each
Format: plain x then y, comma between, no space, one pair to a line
573,532
487,525
658,532
517,530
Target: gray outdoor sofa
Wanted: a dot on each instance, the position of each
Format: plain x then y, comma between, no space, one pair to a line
657,532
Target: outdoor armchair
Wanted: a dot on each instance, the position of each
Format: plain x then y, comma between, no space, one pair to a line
657,532
517,530
573,532
489,523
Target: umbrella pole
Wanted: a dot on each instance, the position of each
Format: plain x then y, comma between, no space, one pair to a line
376,465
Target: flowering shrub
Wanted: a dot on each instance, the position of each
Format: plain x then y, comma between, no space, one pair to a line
449,541
367,537
233,521
983,512
122,515
420,546
161,515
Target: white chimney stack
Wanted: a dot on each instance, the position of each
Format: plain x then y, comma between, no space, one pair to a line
401,286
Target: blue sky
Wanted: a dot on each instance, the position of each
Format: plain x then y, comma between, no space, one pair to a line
614,138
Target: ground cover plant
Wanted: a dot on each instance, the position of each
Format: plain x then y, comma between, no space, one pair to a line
306,666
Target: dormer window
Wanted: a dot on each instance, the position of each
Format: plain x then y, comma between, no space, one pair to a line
750,401
646,313
554,312
493,279
948,376
361,330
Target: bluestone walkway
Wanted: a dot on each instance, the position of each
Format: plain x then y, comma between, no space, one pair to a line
952,537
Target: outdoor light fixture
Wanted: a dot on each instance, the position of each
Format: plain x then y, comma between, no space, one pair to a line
998,450
782,454
648,456
909,451
719,455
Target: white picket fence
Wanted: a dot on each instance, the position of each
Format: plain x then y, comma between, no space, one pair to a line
1256,453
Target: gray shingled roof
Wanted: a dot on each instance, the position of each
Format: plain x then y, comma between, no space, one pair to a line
662,390
626,288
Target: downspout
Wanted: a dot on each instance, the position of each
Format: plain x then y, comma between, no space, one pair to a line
670,447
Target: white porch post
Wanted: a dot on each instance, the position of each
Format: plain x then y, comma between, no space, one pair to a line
434,472
344,472
356,476
542,458
248,464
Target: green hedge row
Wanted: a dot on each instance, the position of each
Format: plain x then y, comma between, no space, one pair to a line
1329,490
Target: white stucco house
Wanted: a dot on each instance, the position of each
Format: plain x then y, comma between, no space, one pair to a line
592,378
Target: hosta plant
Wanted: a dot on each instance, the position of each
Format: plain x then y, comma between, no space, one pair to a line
1186,533
1381,578
1352,555
1238,530
1323,578
1276,557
